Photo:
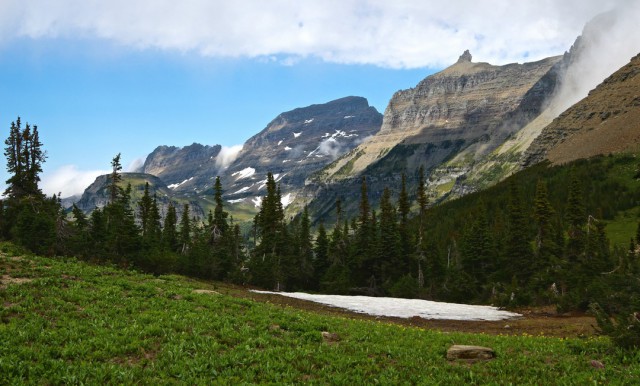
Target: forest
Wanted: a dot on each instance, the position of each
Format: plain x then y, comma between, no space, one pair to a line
537,238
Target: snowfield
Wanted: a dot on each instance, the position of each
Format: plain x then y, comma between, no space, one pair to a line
403,308
244,173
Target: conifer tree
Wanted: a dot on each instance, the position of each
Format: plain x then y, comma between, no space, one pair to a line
220,224
404,208
390,262
184,234
546,249
422,205
25,157
145,209
321,255
115,178
169,231
518,250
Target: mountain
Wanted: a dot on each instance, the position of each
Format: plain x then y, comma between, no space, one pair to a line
296,144
184,169
97,194
606,121
448,122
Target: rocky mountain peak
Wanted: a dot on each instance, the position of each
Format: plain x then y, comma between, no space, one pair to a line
465,57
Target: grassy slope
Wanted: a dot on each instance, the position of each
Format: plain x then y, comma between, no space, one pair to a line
74,322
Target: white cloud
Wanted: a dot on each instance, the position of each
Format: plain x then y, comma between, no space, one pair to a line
397,34
68,180
227,155
330,147
136,165
607,43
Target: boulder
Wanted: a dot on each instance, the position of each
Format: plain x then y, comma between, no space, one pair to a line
472,353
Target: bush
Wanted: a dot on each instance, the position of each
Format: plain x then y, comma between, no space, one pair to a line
622,328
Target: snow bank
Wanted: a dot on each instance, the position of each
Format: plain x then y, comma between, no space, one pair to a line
244,173
173,186
404,308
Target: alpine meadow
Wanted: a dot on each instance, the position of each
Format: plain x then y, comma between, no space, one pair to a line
466,223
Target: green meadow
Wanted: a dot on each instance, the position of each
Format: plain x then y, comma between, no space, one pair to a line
64,321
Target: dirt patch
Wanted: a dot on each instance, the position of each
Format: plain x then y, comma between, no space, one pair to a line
543,321
6,280
204,291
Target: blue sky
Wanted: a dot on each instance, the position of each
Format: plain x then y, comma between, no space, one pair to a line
102,77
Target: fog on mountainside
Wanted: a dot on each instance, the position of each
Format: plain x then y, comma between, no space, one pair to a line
607,43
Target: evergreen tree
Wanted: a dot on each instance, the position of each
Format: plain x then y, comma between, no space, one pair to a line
518,251
546,249
390,263
145,211
115,178
25,157
305,253
321,255
169,231
220,224
184,234
267,267
477,248
404,208
420,247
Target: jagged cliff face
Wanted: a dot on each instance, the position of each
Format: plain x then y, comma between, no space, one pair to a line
606,121
469,107
184,169
296,144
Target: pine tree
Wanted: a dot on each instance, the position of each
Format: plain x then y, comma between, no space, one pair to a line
115,178
220,224
404,208
477,248
184,234
546,250
420,248
390,262
321,255
518,251
169,231
25,157
145,211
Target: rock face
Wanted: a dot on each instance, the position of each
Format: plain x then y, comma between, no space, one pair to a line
448,122
470,107
606,121
97,194
298,143
294,145
184,169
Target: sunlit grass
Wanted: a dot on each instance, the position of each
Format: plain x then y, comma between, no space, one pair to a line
78,323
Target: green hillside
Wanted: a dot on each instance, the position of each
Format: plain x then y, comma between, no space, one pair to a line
63,321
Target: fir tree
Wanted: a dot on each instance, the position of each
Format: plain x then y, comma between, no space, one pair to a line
518,250
115,178
404,208
184,234
321,255
169,231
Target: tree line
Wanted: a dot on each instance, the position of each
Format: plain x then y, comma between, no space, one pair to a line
537,238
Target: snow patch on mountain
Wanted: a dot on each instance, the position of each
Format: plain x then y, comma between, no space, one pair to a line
244,173
286,200
296,135
173,186
241,190
257,201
